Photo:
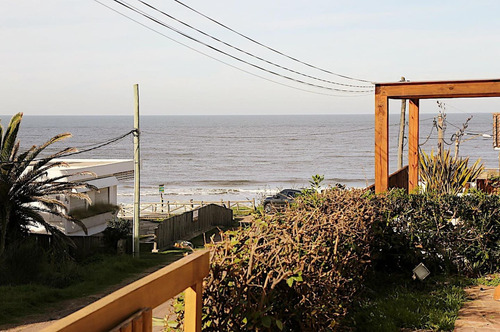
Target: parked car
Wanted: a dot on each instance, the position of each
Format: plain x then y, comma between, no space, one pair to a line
280,200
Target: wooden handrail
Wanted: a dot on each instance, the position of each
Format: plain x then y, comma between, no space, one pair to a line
148,292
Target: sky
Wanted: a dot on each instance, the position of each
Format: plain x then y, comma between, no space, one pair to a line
67,57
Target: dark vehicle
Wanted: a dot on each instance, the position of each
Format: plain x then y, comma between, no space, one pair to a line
280,200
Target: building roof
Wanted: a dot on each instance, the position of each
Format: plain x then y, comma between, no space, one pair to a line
95,168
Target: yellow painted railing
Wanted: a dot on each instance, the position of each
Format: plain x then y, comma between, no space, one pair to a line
128,308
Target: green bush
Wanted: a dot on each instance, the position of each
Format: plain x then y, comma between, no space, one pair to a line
449,233
117,229
300,270
293,271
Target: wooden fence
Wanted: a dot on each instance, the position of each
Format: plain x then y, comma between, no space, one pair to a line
191,223
129,308
83,245
165,209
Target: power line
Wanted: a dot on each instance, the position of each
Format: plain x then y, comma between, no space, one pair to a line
434,125
116,139
226,63
248,53
98,146
138,11
270,48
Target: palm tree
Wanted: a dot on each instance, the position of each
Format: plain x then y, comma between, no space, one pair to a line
25,190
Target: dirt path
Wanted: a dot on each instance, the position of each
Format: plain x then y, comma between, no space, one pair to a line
482,313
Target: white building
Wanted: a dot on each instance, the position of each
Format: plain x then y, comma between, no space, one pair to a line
104,174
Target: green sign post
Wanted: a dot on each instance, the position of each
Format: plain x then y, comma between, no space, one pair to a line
161,190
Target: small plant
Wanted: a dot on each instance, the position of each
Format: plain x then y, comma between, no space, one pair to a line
446,175
316,181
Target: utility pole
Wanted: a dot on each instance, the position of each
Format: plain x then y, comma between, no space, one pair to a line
402,121
440,129
137,171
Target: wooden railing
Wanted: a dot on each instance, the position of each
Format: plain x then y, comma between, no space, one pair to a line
168,208
398,179
131,305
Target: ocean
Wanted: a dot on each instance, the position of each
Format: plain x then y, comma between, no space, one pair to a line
244,157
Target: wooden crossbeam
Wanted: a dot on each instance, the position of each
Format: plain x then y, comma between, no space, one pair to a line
439,89
414,91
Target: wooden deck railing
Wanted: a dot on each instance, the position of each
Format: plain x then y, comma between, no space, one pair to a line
131,305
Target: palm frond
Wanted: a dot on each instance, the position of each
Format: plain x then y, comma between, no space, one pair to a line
10,138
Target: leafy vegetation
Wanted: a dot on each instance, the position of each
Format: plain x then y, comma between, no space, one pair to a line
25,191
443,174
449,233
296,270
304,268
116,230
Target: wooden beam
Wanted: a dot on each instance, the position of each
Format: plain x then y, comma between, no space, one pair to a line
148,292
439,90
381,143
413,142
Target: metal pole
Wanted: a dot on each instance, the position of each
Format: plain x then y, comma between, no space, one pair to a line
137,171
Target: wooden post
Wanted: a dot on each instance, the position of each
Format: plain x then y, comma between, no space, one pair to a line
402,120
413,153
381,142
137,170
193,304
440,135
147,317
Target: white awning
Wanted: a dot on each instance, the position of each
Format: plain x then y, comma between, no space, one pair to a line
100,183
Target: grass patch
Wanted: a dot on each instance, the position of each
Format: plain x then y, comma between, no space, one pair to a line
89,277
392,303
492,280
242,210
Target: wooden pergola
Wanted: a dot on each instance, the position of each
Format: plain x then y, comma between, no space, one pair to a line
414,91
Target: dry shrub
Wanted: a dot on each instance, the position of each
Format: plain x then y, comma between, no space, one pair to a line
295,271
